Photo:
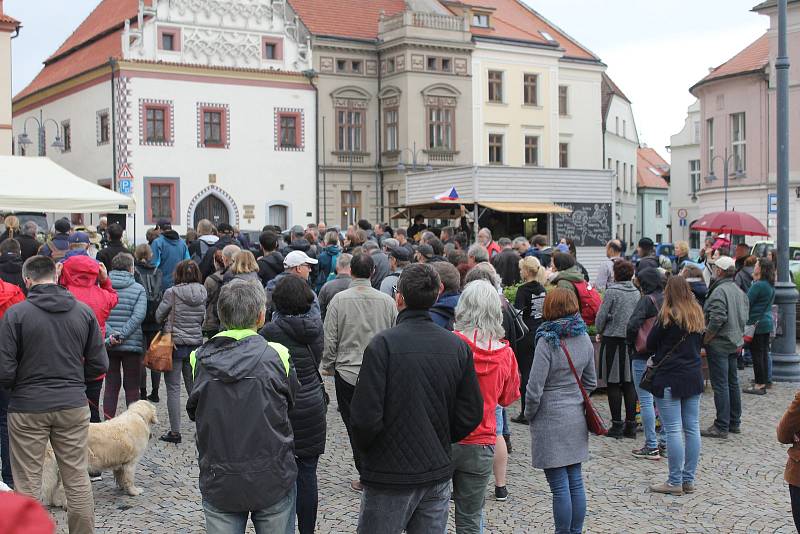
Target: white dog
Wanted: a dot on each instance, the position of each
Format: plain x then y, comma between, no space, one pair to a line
117,444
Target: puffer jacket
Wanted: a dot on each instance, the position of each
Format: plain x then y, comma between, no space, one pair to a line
213,284
190,309
302,335
619,302
79,275
127,316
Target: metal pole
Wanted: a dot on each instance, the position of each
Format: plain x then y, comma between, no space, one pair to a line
324,177
42,136
351,210
725,178
786,362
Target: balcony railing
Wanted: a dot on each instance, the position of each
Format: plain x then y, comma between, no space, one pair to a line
432,21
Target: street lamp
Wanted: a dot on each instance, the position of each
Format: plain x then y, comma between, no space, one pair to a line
726,160
414,153
24,140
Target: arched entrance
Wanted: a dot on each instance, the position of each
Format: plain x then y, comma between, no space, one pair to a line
212,208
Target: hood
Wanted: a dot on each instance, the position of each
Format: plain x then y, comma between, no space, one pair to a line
121,279
333,250
247,277
231,359
209,239
748,271
300,244
447,301
274,259
650,280
171,236
11,263
573,274
8,292
79,271
191,294
305,329
485,359
145,266
625,287
51,298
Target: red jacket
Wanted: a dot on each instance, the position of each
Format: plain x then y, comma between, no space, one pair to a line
498,377
493,249
10,294
79,276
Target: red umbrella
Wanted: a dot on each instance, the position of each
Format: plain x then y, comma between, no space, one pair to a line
730,222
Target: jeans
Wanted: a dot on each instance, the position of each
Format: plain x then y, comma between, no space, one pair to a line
344,396
4,451
472,467
277,519
181,366
760,350
645,405
131,363
794,495
569,498
307,494
93,389
500,421
680,418
725,383
416,510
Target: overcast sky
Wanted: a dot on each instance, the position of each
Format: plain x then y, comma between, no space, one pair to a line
655,49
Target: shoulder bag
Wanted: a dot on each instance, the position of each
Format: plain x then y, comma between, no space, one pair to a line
159,355
594,421
646,383
644,330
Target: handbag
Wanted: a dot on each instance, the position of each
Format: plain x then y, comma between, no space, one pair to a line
646,383
522,329
644,331
594,421
159,354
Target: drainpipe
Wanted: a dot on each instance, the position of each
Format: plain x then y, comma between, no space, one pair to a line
113,63
379,159
311,74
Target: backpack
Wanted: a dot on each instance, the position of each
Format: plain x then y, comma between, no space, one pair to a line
197,258
152,287
589,300
332,274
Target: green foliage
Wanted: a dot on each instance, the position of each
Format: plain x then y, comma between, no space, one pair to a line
510,292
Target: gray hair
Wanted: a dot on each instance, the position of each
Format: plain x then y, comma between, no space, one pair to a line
230,251
520,241
122,262
240,304
389,243
371,245
427,235
30,228
486,231
504,241
478,252
484,271
480,309
343,262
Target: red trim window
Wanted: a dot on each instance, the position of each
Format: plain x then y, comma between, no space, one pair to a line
169,39
161,200
272,48
156,123
289,130
213,127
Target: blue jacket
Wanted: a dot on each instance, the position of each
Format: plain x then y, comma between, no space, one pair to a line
168,251
127,316
326,264
443,312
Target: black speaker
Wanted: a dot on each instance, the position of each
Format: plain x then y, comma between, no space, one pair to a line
118,218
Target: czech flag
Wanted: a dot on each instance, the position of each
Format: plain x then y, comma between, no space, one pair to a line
450,194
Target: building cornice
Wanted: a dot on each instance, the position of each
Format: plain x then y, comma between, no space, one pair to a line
66,87
762,72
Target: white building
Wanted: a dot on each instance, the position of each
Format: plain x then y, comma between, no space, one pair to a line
620,143
207,105
652,179
685,178
8,27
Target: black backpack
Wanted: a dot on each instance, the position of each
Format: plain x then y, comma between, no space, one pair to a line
151,281
197,258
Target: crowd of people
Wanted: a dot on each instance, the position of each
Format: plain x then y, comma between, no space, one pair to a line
429,340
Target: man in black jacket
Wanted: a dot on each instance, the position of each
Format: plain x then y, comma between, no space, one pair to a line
11,264
647,255
114,247
417,393
226,238
270,264
49,346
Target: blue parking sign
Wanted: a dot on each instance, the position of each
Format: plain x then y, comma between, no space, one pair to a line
126,187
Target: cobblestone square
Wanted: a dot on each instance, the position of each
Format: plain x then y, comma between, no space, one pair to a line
740,484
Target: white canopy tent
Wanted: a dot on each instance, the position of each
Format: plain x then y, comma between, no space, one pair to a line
39,184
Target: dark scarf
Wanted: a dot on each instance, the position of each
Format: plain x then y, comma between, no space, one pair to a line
554,331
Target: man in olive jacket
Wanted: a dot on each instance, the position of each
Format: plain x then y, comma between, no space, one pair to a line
726,310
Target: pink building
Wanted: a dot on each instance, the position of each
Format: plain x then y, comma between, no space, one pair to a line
738,122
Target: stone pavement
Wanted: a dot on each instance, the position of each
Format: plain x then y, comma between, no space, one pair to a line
740,484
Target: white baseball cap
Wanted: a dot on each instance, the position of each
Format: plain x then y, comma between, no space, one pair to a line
724,262
296,258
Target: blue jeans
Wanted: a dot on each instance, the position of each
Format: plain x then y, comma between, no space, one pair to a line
277,519
725,383
645,405
4,450
680,418
569,498
499,420
307,494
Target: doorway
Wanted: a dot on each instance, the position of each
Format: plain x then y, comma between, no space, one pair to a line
213,209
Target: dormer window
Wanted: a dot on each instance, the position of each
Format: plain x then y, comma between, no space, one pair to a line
480,20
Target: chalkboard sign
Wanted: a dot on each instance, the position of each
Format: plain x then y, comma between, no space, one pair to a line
589,224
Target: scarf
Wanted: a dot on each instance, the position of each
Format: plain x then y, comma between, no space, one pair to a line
554,331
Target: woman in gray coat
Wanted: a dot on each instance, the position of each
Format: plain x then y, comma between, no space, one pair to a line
183,308
124,338
619,301
554,406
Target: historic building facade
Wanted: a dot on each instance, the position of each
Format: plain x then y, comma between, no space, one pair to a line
685,178
8,27
652,192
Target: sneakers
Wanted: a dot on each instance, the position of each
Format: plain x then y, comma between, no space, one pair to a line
662,450
171,437
647,453
95,476
629,431
500,493
755,391
688,487
667,489
616,430
355,485
735,430
520,419
714,432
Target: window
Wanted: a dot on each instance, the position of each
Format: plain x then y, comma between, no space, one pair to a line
659,238
213,127
341,65
155,124
738,142
432,63
632,175
446,64
390,65
168,41
272,48
616,125
563,92
619,176
710,138
624,129
625,176
66,135
390,124
393,198
105,130
694,238
659,213
694,175
496,149
161,201
351,207
350,130
608,166
563,155
532,150
530,89
440,127
480,21
355,67
495,86
270,51
288,130
279,216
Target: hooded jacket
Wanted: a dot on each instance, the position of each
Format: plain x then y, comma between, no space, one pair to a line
699,288
498,377
325,265
79,275
11,270
302,335
647,262
168,251
443,312
619,302
106,256
207,263
201,245
10,294
127,316
213,285
651,282
246,462
28,245
186,324
568,278
270,265
726,310
270,287
744,278
50,346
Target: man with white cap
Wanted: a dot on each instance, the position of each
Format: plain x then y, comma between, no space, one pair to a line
296,263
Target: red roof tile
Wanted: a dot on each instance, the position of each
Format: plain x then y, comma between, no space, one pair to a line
753,58
106,16
355,19
651,169
5,19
